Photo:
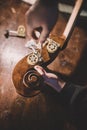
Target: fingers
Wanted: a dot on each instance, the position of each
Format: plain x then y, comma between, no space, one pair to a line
40,36
39,69
29,25
42,72
31,33
44,34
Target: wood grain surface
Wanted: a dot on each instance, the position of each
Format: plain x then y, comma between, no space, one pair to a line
44,111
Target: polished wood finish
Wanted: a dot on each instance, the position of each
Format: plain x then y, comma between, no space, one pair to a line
43,111
26,80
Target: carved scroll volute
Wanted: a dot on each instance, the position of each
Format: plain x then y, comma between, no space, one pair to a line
32,80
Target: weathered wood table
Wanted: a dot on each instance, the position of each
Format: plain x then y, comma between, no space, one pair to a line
41,112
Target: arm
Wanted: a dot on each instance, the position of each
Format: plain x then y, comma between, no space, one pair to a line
73,97
48,2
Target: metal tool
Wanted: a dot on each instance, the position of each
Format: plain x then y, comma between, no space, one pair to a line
19,33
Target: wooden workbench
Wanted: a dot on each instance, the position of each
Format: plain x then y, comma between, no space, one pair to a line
44,111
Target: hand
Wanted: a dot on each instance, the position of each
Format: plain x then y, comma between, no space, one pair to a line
51,79
41,18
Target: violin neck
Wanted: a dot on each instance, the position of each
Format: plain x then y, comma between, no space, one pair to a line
72,18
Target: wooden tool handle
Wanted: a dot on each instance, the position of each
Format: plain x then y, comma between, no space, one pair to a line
72,18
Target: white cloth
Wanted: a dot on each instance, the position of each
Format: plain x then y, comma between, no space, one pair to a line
33,45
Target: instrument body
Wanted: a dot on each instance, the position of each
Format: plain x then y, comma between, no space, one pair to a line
26,80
